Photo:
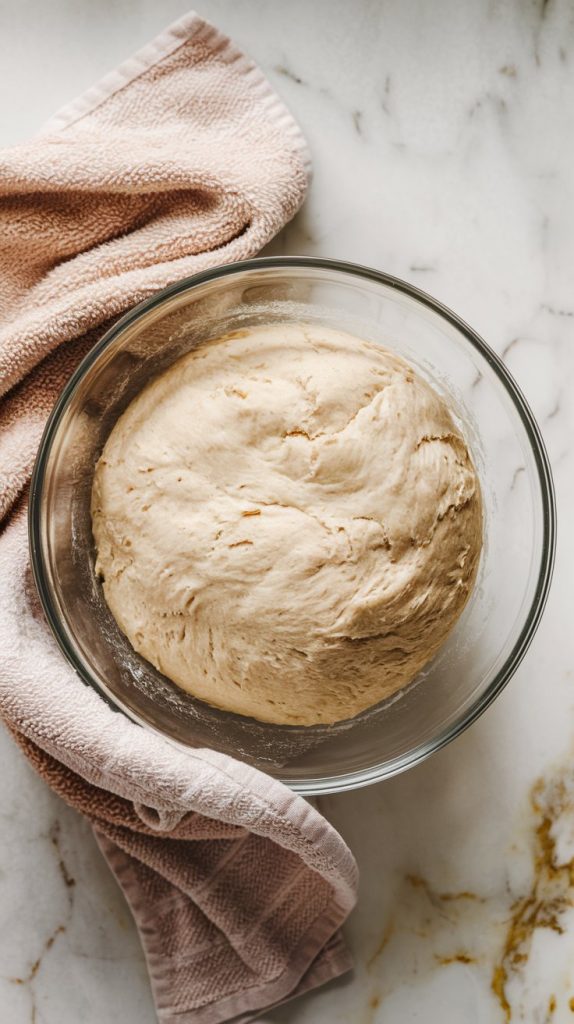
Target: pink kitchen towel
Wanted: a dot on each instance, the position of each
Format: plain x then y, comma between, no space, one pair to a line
182,159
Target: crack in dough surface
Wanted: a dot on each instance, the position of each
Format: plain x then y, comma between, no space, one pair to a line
288,523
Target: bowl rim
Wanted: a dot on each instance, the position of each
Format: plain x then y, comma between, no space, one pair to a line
360,777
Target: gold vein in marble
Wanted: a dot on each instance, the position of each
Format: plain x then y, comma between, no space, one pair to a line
550,895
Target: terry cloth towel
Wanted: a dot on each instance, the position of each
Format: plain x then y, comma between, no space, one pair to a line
182,159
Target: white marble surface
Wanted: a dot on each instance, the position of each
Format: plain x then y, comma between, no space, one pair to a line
443,143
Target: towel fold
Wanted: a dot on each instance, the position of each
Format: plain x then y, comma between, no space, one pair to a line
181,159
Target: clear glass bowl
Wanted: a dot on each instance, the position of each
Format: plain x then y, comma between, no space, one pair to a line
501,617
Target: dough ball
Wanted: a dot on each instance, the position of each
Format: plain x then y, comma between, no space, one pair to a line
288,523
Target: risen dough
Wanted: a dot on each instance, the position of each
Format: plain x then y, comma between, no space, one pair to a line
288,523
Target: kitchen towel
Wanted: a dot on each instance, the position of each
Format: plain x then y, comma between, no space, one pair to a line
182,159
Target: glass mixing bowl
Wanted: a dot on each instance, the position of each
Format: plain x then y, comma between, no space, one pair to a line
498,623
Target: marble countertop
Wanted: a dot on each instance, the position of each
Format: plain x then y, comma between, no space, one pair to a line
443,145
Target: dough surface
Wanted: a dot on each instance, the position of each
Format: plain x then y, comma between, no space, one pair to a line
288,523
